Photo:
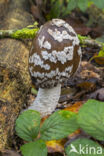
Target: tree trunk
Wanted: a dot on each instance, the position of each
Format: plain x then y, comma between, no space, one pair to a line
14,76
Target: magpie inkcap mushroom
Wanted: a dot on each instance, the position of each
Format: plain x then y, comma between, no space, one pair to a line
54,57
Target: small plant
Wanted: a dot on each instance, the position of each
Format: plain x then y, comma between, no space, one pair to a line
99,58
60,124
61,8
91,118
57,126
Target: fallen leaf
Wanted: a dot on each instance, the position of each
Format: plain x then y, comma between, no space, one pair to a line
99,60
75,134
86,72
87,85
66,94
75,107
43,119
98,95
88,66
56,145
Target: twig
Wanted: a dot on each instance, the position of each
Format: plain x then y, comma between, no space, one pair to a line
87,41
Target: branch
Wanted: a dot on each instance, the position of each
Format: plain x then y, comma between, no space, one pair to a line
26,33
87,41
30,32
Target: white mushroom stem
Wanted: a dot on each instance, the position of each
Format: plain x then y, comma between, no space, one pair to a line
46,100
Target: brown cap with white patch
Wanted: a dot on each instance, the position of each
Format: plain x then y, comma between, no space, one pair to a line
55,54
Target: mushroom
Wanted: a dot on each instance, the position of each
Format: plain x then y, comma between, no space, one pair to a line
54,57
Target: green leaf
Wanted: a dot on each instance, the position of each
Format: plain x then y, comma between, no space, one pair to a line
52,1
56,9
28,124
34,91
59,125
83,5
72,4
84,147
99,3
37,148
90,3
101,53
91,118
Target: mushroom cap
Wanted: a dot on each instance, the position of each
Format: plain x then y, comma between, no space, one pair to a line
55,54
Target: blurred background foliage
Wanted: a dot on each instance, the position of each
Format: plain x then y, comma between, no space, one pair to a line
61,8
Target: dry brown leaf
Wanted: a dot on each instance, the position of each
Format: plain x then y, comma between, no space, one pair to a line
98,94
75,134
43,119
99,60
75,107
86,85
88,66
89,74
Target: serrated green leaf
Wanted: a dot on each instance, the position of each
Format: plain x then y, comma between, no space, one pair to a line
37,148
59,125
28,124
84,147
91,118
99,3
83,4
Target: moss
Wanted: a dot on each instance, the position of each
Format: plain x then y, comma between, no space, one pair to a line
25,33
